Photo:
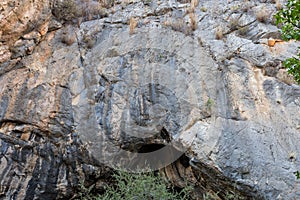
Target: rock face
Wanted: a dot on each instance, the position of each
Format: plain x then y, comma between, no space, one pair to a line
147,85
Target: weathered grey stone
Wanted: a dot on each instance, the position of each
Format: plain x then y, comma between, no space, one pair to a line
226,107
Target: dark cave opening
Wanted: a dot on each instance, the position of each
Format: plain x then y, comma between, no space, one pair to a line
147,148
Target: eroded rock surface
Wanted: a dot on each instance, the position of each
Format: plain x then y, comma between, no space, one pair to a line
76,98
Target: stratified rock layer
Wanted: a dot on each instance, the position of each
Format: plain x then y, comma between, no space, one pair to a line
77,98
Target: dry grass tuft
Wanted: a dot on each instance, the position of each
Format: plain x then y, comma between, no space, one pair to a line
193,21
106,3
66,10
89,41
246,6
194,4
278,5
219,33
178,25
68,38
273,21
283,76
203,9
234,23
262,15
132,24
79,21
243,30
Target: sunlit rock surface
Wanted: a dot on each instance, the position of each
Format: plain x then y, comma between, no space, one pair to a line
80,98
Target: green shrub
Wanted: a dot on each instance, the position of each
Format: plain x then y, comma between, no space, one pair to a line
297,174
293,67
142,186
289,20
209,103
137,186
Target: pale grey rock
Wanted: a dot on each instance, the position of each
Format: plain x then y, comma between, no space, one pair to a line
67,111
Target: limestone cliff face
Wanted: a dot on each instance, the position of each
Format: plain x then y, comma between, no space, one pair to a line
81,96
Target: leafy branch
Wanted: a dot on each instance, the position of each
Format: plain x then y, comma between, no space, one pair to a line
289,20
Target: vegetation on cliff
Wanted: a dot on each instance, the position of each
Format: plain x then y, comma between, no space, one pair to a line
289,19
137,186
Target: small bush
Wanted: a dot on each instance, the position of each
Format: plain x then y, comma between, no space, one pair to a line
141,186
277,3
71,10
132,25
289,19
178,25
68,37
297,174
285,77
209,104
246,6
273,20
203,9
193,21
243,30
262,15
89,41
106,3
235,8
219,33
293,67
209,196
233,196
65,10
137,186
194,4
90,10
234,23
